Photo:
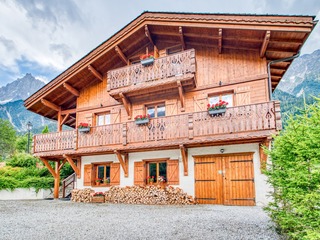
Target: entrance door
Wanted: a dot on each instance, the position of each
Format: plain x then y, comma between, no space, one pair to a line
225,179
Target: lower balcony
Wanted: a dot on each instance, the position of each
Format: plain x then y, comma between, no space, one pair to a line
238,124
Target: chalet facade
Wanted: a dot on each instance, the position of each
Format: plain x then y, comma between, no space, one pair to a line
197,59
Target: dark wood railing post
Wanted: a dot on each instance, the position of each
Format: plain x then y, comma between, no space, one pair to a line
190,125
277,111
124,134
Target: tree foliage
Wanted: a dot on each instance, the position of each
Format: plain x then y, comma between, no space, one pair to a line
295,176
7,138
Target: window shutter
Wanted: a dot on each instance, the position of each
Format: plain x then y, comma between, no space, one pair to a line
114,173
173,172
171,107
200,103
243,96
87,175
139,173
138,110
115,115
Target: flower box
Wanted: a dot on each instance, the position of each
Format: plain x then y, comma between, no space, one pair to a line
84,129
147,61
142,121
98,199
217,112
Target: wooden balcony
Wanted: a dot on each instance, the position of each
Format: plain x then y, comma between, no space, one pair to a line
163,75
243,123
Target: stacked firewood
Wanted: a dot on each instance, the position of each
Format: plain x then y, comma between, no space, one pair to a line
147,195
82,195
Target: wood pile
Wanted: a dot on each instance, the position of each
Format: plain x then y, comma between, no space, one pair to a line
147,195
82,195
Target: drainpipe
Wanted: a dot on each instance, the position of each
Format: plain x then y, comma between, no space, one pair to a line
276,61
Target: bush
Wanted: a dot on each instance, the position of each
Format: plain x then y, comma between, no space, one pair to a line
295,176
22,160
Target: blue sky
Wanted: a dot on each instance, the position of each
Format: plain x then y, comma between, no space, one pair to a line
45,37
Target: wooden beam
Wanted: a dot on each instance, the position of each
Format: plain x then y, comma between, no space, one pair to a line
182,38
50,105
46,163
265,44
184,155
72,164
121,55
124,164
64,119
127,104
68,111
181,95
220,41
56,180
148,34
59,125
71,89
95,72
62,164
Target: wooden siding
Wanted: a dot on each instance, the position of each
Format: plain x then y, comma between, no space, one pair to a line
224,179
184,127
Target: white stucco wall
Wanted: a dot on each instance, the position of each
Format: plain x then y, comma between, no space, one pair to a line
186,182
24,194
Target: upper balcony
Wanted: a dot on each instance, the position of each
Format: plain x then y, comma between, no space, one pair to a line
165,74
249,123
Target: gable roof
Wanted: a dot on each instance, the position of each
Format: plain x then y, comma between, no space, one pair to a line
288,33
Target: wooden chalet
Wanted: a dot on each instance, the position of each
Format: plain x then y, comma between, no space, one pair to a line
198,59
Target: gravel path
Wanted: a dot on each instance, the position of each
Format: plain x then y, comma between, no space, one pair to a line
55,219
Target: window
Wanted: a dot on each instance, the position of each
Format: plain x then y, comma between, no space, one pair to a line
158,110
157,169
223,97
103,119
102,174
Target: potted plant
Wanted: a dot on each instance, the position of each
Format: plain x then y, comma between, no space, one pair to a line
161,181
98,181
106,181
150,180
142,119
146,59
217,108
84,127
98,197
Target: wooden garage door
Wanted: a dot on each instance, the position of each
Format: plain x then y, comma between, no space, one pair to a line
227,179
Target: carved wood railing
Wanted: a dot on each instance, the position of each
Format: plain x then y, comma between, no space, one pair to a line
165,67
101,136
248,118
54,141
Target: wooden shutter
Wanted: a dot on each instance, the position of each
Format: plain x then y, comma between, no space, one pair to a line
138,110
115,115
171,107
173,172
200,103
243,96
114,173
87,179
139,173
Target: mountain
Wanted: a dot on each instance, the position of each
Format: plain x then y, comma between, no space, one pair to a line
11,104
300,84
19,89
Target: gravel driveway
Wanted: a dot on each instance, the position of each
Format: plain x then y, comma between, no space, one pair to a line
55,219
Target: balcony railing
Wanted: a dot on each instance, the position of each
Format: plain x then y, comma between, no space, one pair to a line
186,127
178,64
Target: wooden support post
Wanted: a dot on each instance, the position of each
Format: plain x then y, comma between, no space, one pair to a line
190,125
95,73
148,35
71,89
46,163
263,155
126,104
265,44
220,41
59,125
56,180
182,39
123,163
121,55
62,164
184,155
64,119
79,166
72,164
277,111
181,95
50,105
